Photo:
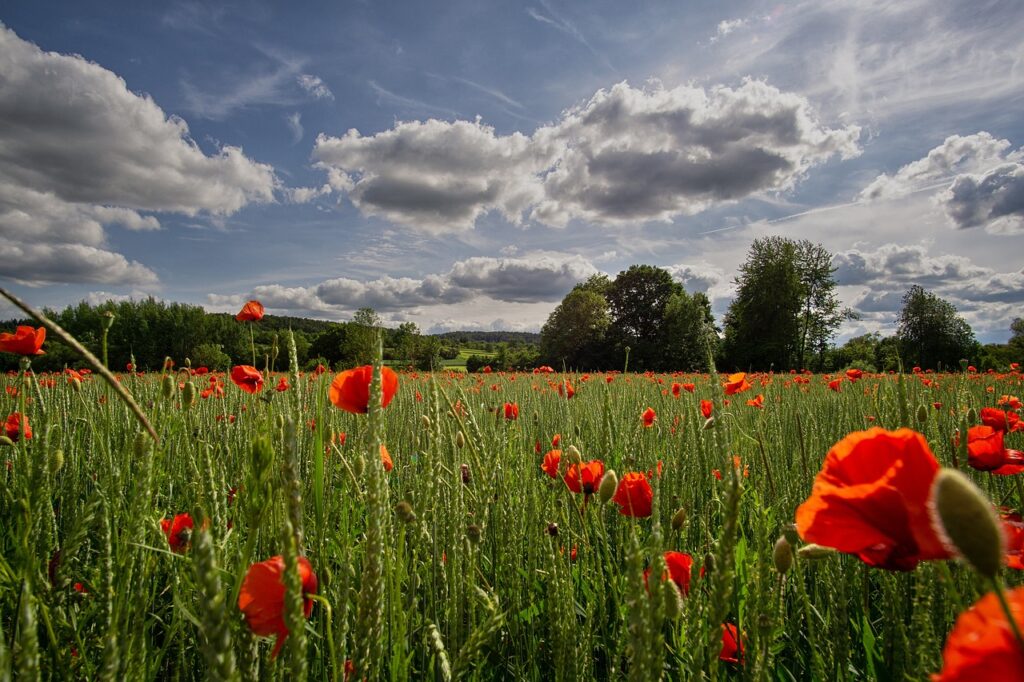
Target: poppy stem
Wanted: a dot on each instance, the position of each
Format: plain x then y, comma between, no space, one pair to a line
328,616
1001,595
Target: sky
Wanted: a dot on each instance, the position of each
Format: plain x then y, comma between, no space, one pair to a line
462,164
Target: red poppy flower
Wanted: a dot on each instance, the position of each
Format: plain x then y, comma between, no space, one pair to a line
250,312
1013,530
634,495
836,384
178,532
732,650
870,499
676,389
586,478
648,417
282,385
758,401
551,461
24,341
247,378
737,383
706,406
566,390
261,599
981,645
385,458
689,388
1001,420
511,411
350,389
985,452
679,569
854,374
17,425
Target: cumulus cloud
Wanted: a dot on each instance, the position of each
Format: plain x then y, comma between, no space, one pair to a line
315,86
79,151
956,155
697,278
535,278
901,263
627,155
727,26
994,200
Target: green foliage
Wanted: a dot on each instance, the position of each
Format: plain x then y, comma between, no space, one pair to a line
931,334
786,310
574,334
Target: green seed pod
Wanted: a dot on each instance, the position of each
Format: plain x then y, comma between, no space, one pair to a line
167,386
966,516
679,519
922,414
972,415
188,395
813,552
609,483
460,440
673,600
782,555
358,465
56,461
790,533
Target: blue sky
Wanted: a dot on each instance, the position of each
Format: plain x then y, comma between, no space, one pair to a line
461,165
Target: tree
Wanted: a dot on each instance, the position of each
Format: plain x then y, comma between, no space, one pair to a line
1017,335
931,333
786,311
636,300
574,334
688,326
362,335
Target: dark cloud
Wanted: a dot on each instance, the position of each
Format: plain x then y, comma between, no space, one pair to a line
994,200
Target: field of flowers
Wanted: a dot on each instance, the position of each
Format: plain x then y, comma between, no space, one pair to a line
530,525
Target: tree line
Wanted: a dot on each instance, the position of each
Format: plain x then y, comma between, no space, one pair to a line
785,315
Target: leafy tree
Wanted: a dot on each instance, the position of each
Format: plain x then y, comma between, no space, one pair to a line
574,334
687,331
636,300
362,335
931,333
786,311
1017,335
210,355
333,346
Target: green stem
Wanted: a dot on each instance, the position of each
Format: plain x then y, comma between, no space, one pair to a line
1001,595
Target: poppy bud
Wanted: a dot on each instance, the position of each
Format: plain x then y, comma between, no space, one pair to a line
679,519
188,395
972,415
573,455
709,563
167,386
425,420
553,530
922,414
76,384
107,320
466,476
188,363
4,440
609,483
673,599
967,519
473,532
708,423
460,440
782,555
56,461
358,464
143,445
404,511
789,532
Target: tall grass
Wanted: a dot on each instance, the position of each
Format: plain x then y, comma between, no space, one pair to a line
465,561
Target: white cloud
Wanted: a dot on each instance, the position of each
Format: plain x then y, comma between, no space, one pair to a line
294,121
628,155
529,279
79,151
727,26
315,86
956,155
994,200
901,263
